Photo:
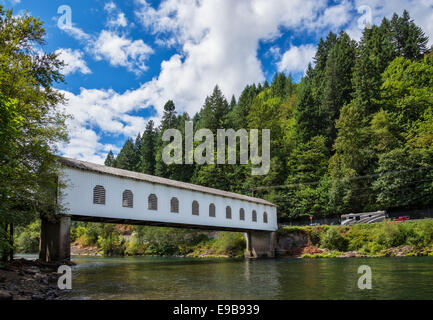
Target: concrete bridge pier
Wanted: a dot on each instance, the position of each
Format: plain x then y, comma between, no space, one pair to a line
260,244
55,243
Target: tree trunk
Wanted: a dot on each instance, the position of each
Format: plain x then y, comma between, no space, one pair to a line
11,241
4,252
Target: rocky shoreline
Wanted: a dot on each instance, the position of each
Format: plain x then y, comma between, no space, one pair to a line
79,250
24,279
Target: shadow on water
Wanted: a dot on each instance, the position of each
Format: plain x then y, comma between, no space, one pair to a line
190,278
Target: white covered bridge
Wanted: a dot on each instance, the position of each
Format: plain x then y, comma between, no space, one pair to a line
98,193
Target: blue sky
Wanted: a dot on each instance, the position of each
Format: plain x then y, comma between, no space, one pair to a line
125,59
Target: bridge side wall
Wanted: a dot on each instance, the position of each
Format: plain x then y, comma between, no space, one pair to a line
77,198
260,244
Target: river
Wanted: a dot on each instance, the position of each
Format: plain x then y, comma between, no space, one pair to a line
188,278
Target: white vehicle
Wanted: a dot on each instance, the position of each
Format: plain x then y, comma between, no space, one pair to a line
367,218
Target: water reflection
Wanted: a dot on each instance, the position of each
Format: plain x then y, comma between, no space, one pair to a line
180,278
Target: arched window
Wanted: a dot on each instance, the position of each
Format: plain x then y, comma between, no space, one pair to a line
99,195
265,217
195,208
212,210
174,205
228,212
127,199
254,216
242,214
153,202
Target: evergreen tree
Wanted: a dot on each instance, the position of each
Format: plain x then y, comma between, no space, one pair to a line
337,83
214,114
233,103
127,157
169,116
169,121
110,160
409,39
307,114
239,116
147,149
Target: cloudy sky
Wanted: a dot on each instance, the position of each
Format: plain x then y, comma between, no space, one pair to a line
127,58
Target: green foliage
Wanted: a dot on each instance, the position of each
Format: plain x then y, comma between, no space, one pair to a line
328,254
28,239
111,245
147,151
333,240
230,243
127,158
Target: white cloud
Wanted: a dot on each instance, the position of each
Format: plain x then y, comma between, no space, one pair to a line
333,17
296,59
77,33
12,2
121,51
118,21
110,6
74,61
116,18
218,43
114,46
103,109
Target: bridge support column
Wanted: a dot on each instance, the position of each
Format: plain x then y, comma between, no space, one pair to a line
260,244
55,242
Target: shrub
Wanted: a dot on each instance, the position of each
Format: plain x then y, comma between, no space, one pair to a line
28,239
371,248
391,234
333,240
316,233
230,243
112,245
86,234
134,247
360,235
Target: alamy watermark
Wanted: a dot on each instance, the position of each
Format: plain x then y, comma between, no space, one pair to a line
366,20
65,21
204,153
65,280
365,281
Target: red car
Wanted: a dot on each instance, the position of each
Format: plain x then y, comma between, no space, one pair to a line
404,218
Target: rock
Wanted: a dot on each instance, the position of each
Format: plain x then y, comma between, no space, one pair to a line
26,292
37,297
32,271
19,297
5,295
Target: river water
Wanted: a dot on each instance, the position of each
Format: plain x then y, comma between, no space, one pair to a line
188,278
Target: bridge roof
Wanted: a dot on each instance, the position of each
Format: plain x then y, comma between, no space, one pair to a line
83,165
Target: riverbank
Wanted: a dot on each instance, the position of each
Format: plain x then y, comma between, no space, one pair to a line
203,250
386,239
24,279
